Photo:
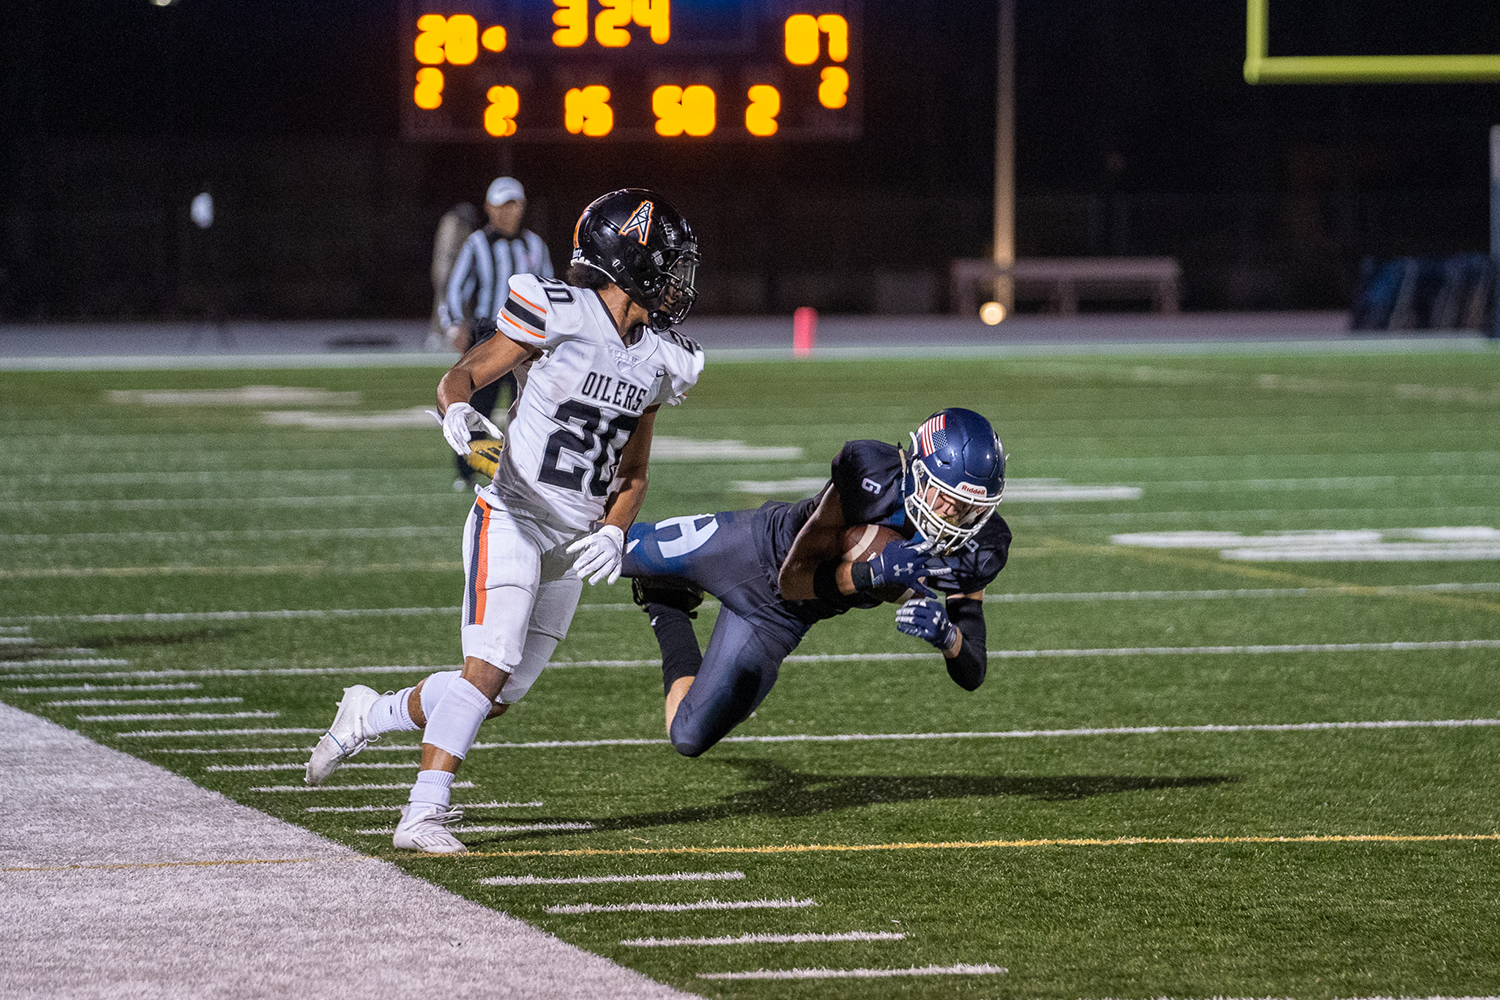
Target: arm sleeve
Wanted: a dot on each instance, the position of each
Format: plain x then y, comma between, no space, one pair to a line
968,668
461,285
524,314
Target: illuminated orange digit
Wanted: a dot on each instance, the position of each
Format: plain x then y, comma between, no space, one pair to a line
833,92
432,31
462,43
656,15
493,38
609,25
837,30
429,91
572,20
500,116
765,105
587,110
666,104
692,110
802,40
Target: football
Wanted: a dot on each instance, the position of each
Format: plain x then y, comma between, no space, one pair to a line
861,543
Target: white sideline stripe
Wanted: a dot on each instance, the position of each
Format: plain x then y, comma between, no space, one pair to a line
702,904
348,788
926,970
384,420
994,654
16,640
1211,595
465,805
392,765
1269,727
386,831
598,879
122,702
289,613
762,939
14,628
171,716
26,664
1015,489
267,569
67,688
676,449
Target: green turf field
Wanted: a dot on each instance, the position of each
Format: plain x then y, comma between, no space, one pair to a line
1270,856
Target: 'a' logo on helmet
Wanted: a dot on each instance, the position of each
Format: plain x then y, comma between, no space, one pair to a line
640,222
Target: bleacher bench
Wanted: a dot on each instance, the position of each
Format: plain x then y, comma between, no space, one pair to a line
1066,280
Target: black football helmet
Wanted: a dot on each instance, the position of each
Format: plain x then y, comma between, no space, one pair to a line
645,246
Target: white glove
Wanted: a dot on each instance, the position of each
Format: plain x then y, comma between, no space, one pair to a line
459,422
600,554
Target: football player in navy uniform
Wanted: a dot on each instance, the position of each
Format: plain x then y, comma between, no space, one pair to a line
779,569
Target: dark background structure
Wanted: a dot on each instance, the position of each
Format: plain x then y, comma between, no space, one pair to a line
1136,134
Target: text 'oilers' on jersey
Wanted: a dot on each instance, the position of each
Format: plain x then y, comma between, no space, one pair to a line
868,476
582,399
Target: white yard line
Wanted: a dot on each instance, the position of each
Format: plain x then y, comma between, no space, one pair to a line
466,805
248,535
67,688
926,970
386,831
196,503
179,733
250,768
702,904
175,716
761,939
72,662
599,879
334,568
124,702
348,788
995,597
994,654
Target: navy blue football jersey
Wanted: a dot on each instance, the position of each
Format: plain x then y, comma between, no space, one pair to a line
868,476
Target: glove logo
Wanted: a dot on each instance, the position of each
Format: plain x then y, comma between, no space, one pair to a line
640,222
871,486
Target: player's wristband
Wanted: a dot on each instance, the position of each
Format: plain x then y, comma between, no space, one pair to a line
826,582
862,576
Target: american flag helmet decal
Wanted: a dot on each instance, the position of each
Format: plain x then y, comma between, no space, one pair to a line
932,436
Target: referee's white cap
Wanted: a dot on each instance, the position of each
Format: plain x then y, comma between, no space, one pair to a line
503,189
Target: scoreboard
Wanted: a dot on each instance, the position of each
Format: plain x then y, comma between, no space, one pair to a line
602,70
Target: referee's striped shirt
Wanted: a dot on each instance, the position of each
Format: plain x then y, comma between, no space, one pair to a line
484,267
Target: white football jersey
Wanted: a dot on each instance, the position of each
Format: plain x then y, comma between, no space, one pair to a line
581,400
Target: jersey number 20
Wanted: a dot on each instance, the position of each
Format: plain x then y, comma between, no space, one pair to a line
597,440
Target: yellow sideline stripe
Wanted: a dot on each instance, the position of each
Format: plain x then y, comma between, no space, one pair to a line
973,844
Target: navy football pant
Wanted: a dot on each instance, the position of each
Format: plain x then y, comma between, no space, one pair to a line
754,633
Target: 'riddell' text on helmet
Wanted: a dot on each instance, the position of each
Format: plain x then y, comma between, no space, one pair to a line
956,477
645,246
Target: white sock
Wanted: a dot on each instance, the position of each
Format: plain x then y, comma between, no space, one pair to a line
455,720
433,689
433,788
389,713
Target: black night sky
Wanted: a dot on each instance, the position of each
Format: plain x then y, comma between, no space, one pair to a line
1136,134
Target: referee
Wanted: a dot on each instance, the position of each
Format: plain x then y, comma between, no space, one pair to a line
480,282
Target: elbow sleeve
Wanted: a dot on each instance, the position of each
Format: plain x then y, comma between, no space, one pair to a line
968,668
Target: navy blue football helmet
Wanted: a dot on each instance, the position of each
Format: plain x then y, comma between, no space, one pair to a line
955,477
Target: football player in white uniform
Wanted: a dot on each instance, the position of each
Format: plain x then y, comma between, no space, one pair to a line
595,356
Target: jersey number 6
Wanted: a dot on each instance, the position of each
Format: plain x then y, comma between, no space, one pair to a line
602,455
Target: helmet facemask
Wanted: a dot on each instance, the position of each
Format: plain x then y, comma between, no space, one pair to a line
670,305
962,515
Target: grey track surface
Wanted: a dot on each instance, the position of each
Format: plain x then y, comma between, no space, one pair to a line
331,923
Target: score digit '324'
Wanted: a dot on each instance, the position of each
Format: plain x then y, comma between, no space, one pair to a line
595,70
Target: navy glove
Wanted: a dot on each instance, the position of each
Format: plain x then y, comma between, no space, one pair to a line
903,563
927,620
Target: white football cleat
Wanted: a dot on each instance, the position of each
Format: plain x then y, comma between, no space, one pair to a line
425,828
347,736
